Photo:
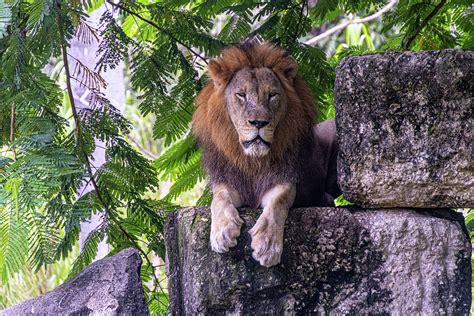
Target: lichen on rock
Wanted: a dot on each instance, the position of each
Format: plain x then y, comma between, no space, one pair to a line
110,286
404,125
335,260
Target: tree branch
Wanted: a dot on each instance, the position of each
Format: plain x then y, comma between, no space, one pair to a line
412,38
89,168
12,130
300,19
142,149
342,26
162,30
75,115
87,163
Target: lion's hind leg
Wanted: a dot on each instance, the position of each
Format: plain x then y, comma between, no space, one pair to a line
267,233
225,219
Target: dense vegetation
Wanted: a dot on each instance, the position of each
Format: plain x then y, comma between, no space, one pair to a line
47,141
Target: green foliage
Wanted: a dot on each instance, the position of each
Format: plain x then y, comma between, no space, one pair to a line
25,285
341,201
469,219
47,156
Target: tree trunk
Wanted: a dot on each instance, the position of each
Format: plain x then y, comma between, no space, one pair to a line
115,93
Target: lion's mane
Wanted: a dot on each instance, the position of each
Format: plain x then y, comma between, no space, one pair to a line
223,157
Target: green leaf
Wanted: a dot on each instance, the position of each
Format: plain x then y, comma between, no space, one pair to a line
13,243
341,201
12,186
88,251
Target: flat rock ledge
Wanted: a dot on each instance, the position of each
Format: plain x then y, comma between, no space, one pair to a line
110,286
337,261
404,124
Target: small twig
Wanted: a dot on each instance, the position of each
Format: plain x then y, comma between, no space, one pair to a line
168,33
86,33
75,115
142,149
84,187
342,26
300,19
138,27
423,24
12,130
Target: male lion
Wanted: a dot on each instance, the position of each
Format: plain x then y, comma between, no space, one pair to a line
254,121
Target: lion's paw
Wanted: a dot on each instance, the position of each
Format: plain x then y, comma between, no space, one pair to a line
267,242
225,228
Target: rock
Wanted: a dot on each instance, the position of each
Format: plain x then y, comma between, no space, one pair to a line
404,124
335,260
110,286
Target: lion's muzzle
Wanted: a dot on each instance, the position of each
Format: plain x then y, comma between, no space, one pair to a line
257,140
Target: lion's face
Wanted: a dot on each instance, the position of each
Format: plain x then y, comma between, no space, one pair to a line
253,98
254,110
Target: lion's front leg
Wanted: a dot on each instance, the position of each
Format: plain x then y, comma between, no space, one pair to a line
225,219
267,234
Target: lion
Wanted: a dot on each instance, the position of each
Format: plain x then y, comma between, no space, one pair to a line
254,121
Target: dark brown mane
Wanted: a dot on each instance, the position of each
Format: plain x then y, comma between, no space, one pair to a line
217,136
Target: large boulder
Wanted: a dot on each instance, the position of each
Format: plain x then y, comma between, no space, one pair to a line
335,260
404,124
110,286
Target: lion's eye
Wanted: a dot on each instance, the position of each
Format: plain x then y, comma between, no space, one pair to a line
272,95
240,95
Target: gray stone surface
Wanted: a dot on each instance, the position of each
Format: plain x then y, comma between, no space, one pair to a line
335,260
405,124
110,286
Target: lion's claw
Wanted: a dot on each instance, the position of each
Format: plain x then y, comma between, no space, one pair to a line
224,231
267,242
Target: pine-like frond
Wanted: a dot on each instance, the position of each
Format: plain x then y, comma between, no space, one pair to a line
318,73
43,239
70,215
86,33
236,28
13,239
114,45
189,177
89,250
181,153
86,77
206,198
175,110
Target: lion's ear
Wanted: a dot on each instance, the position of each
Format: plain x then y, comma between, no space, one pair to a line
217,72
290,69
287,68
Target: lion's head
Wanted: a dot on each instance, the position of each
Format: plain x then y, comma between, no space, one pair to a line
253,97
255,108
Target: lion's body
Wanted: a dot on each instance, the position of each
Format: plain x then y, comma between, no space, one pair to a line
313,170
318,185
255,123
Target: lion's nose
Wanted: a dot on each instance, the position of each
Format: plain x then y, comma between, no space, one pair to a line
259,124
